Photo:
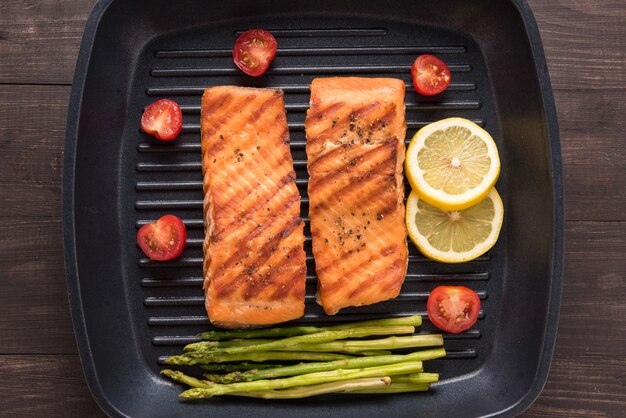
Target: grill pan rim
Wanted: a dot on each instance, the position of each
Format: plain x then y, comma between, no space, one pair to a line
77,312
69,233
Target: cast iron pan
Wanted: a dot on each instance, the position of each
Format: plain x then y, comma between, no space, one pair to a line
129,312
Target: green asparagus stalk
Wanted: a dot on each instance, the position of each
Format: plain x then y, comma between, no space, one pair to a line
183,378
238,367
398,384
363,347
206,346
415,382
357,346
305,368
344,386
187,360
414,320
417,378
319,337
303,380
396,388
373,353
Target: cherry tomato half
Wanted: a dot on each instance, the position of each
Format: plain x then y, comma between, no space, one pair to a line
254,50
430,75
164,239
453,308
163,119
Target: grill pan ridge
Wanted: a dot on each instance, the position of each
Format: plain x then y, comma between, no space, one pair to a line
149,309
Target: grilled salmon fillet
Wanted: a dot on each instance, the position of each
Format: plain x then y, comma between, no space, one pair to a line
355,129
254,259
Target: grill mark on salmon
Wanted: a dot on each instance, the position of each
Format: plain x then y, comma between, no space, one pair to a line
255,210
347,277
384,182
212,151
385,165
345,153
285,136
355,131
257,114
234,203
381,212
226,114
376,280
284,289
263,254
329,110
247,196
254,265
354,186
338,124
218,103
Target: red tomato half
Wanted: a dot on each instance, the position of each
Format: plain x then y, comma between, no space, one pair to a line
453,308
254,51
163,119
164,239
430,75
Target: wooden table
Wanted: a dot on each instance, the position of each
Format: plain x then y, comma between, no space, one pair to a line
40,373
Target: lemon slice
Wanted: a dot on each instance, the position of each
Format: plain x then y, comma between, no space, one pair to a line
454,236
452,163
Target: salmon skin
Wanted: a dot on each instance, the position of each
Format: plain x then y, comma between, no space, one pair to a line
355,130
254,259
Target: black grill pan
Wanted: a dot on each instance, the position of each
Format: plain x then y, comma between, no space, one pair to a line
129,312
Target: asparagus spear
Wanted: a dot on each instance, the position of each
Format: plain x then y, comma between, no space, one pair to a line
206,346
364,347
183,378
303,380
319,337
237,367
372,353
304,368
188,360
417,378
414,320
344,386
398,384
357,346
396,388
415,382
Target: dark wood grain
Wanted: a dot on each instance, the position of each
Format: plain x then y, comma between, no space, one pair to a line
32,128
39,39
589,362
583,41
585,47
594,164
34,310
593,153
45,386
587,374
582,387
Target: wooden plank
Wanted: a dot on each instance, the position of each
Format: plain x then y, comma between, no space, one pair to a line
583,42
39,40
581,387
592,129
593,319
587,373
32,128
586,377
594,164
45,385
34,310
